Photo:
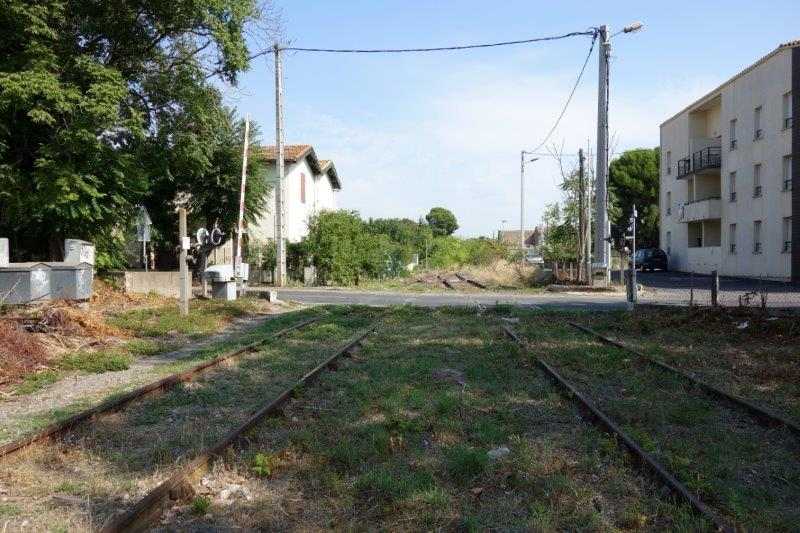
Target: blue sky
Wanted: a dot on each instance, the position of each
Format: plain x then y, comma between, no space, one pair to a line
408,132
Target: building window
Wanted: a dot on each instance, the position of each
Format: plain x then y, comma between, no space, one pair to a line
732,238
787,234
732,185
733,134
757,180
669,243
758,133
787,173
669,202
757,237
787,110
302,188
669,162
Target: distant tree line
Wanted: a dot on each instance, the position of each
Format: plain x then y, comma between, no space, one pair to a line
345,249
108,105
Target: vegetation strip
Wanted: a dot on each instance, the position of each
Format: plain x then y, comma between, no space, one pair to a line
119,402
758,412
472,282
609,425
179,485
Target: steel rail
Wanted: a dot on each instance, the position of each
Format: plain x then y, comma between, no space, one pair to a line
756,411
119,402
445,282
644,458
471,281
179,485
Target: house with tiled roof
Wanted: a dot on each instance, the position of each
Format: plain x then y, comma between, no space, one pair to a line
310,185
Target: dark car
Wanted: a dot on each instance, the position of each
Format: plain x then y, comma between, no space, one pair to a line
650,259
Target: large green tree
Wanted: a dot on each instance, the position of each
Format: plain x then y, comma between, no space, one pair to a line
633,180
442,221
101,102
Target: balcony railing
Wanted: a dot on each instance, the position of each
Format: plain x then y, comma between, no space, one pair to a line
705,159
787,123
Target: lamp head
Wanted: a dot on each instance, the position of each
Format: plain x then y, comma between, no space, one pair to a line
636,26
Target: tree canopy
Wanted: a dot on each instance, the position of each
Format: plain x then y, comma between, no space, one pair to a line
442,221
633,180
104,105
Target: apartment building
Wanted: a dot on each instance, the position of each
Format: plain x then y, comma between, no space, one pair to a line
730,175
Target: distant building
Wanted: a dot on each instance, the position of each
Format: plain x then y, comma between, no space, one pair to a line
310,186
532,238
730,182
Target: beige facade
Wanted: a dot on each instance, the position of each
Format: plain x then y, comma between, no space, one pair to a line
309,186
726,176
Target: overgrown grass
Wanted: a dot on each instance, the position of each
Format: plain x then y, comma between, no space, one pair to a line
205,316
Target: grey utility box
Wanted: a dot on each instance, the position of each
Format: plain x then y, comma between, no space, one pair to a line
22,283
71,281
78,251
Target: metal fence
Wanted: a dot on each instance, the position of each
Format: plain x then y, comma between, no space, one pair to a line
710,290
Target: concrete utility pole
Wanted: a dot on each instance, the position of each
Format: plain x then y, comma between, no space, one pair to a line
237,262
280,244
184,277
583,274
602,239
602,246
522,162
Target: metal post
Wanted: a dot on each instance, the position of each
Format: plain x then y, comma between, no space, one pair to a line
714,288
280,244
144,254
602,248
184,278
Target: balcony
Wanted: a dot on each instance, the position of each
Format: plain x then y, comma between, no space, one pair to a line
705,209
703,160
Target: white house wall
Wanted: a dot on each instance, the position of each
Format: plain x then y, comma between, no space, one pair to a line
763,86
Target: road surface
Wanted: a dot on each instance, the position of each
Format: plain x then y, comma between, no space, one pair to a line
574,301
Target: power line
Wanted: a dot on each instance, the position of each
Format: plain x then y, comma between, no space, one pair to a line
571,94
592,32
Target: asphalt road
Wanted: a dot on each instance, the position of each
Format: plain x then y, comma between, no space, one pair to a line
573,301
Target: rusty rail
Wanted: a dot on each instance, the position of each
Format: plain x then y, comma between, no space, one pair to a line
471,281
761,414
644,458
119,402
446,282
179,485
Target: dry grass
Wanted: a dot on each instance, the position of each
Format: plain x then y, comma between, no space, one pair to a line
20,353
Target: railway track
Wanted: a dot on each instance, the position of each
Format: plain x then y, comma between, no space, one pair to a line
459,281
760,413
707,446
115,404
163,438
179,486
643,458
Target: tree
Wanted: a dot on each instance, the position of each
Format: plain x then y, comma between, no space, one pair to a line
87,90
634,180
442,221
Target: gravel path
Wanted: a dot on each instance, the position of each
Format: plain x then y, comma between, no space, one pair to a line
19,413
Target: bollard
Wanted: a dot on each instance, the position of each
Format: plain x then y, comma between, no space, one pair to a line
714,288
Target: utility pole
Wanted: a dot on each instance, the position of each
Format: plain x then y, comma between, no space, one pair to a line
602,246
184,278
582,274
237,262
522,162
280,244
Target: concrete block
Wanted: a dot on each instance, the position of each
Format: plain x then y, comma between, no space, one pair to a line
78,251
4,252
161,283
225,290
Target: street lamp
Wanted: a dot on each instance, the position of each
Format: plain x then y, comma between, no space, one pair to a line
522,163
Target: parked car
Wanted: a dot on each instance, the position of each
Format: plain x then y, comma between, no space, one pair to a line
650,259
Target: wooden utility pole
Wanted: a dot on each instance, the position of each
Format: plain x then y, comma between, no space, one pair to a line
280,244
581,216
185,279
